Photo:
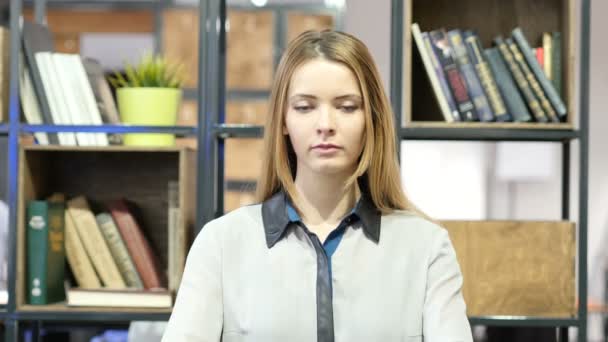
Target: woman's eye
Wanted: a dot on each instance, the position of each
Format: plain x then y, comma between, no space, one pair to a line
302,108
349,109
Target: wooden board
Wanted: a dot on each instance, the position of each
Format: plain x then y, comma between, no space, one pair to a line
516,268
247,112
298,22
534,17
180,40
67,42
70,21
236,199
243,158
249,53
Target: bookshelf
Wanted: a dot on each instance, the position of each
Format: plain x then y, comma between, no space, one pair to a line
420,117
35,171
534,17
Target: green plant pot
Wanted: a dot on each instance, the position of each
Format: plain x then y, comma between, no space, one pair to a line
149,107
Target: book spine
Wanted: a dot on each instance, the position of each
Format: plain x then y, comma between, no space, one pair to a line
454,77
468,71
556,61
424,56
534,85
95,245
37,247
56,252
485,76
516,106
177,238
558,107
136,243
119,251
445,88
539,53
547,55
520,80
29,32
79,261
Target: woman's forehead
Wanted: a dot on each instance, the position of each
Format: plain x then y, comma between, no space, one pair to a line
322,76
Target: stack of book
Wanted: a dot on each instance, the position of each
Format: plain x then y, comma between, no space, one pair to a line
504,83
111,260
63,89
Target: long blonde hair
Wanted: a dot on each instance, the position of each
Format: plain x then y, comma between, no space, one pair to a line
378,168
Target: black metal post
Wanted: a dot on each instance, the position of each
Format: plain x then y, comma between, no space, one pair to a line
584,168
40,11
396,81
211,74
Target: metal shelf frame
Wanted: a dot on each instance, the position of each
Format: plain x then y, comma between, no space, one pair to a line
564,137
178,130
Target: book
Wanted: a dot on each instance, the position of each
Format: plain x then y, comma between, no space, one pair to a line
125,298
36,38
77,257
520,80
476,92
101,90
445,88
539,53
516,106
67,102
85,92
94,243
138,246
177,237
45,251
29,102
486,77
119,250
532,81
547,52
52,93
103,96
455,80
430,70
547,87
556,61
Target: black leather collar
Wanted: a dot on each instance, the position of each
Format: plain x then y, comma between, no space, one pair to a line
276,220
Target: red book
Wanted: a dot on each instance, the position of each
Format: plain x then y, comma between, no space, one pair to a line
540,56
144,258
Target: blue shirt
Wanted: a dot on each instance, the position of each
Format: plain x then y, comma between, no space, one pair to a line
333,239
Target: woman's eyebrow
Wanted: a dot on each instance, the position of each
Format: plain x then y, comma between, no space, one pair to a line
354,97
302,96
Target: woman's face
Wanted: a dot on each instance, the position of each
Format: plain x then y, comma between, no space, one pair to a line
325,117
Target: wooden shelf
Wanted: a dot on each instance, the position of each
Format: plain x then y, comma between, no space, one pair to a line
102,174
61,312
534,17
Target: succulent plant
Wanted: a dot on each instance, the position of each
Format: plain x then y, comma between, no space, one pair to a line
150,71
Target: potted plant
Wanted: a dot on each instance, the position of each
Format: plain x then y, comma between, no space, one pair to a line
149,94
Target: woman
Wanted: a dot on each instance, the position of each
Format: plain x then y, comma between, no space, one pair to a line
335,251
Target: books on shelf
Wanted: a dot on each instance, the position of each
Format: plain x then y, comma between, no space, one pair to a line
510,82
63,89
109,256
